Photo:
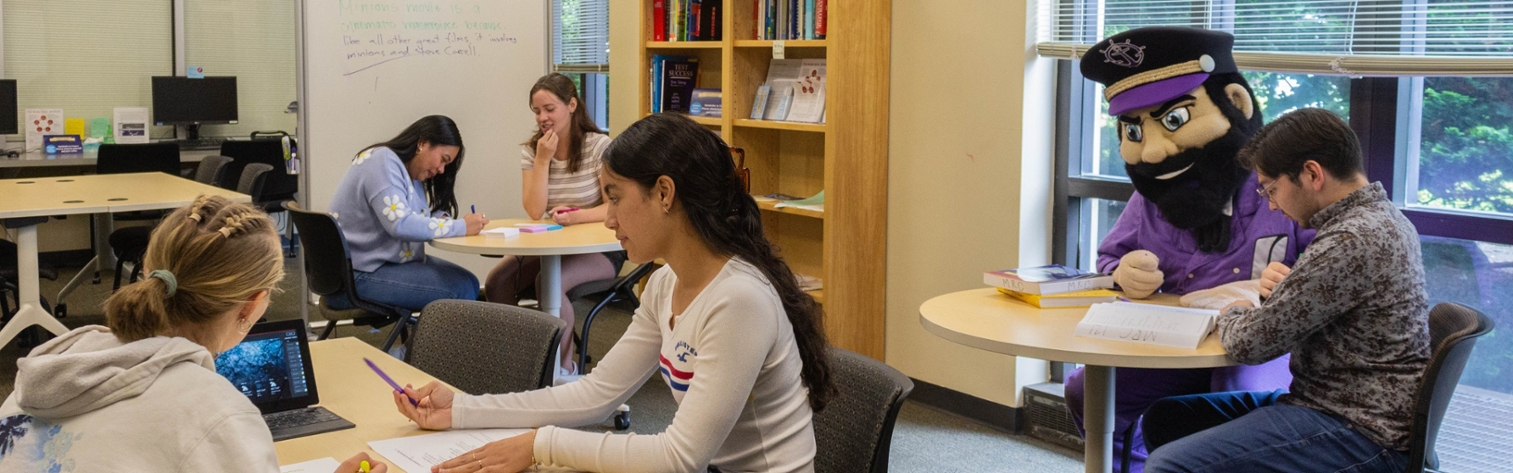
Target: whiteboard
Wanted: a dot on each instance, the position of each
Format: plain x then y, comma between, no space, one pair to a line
372,67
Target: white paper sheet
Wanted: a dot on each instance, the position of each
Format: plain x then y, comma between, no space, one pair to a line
323,465
419,453
501,232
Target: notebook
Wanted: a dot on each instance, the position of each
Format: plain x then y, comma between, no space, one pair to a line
272,368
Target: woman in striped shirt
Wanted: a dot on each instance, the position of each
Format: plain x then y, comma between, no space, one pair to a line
560,171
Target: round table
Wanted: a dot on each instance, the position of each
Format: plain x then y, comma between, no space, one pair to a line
985,319
550,246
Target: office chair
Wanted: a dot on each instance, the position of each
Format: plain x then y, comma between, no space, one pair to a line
611,291
328,272
129,243
485,348
279,187
1453,329
854,432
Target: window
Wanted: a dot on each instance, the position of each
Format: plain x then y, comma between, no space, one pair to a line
580,49
254,44
1441,145
87,62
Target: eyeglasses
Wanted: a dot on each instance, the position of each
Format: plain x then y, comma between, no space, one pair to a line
1267,191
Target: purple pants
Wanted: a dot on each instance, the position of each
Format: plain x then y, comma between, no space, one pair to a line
1135,389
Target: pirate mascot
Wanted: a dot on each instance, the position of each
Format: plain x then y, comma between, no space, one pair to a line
1196,221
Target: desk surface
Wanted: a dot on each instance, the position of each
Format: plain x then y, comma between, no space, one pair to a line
570,240
983,318
88,158
100,193
349,389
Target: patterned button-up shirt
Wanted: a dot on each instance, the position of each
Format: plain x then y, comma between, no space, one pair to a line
1354,315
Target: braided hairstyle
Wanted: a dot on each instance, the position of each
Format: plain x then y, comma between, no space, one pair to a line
725,217
221,253
437,130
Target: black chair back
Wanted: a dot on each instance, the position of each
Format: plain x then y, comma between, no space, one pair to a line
280,185
254,180
854,433
486,348
143,157
1453,329
328,262
212,171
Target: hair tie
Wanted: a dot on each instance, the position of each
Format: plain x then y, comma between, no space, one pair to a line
167,277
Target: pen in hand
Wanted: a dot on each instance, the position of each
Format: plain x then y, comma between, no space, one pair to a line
391,382
566,210
474,208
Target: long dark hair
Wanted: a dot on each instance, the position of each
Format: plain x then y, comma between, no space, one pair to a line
725,217
562,86
438,130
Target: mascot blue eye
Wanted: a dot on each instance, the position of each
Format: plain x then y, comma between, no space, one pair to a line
1175,118
1132,132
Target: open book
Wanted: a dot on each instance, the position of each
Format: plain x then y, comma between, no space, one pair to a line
1147,323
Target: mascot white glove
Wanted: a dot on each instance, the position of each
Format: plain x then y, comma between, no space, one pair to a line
1139,274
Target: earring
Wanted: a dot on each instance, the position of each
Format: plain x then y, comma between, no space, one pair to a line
244,329
666,210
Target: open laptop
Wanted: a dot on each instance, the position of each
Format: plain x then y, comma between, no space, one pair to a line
272,367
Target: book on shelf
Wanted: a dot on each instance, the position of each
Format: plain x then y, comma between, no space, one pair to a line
1048,279
808,283
1066,299
659,20
705,103
1151,324
809,93
789,19
821,9
781,76
759,103
815,203
673,81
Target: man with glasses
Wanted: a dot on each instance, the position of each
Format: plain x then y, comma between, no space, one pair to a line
1194,224
1353,312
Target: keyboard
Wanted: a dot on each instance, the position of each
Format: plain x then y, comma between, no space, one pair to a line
201,143
302,422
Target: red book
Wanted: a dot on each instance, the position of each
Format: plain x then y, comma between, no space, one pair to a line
698,22
658,21
819,19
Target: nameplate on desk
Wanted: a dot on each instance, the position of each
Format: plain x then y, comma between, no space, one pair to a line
62,144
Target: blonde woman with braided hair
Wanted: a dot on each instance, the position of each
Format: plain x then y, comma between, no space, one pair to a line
142,394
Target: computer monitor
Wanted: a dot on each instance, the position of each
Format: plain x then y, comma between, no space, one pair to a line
193,102
9,112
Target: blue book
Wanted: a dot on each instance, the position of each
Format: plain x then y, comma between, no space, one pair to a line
772,13
680,75
705,103
795,12
656,83
808,19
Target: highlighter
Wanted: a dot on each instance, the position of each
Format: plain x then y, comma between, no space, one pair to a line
364,467
391,382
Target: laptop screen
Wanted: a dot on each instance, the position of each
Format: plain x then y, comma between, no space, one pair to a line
272,366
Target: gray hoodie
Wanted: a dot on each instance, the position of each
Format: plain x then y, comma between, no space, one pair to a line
86,402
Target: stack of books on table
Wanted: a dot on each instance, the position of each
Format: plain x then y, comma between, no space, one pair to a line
1053,286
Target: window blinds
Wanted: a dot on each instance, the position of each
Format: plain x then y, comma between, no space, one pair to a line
1340,37
253,41
89,57
580,36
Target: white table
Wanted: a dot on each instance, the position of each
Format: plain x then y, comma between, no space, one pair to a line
550,246
985,319
29,202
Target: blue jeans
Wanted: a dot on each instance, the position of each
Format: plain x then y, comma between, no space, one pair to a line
1238,432
412,285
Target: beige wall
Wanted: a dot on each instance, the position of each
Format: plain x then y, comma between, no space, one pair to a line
967,101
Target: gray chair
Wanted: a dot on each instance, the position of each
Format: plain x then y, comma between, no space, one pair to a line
855,430
212,171
254,175
485,348
1453,329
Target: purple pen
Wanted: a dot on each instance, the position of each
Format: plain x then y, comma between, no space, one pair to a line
391,382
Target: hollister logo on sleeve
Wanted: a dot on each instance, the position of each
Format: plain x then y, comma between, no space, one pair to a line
676,378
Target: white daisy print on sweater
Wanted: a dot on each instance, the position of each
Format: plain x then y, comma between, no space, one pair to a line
442,226
362,157
405,253
394,207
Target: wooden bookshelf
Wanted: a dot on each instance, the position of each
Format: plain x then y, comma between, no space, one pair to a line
847,157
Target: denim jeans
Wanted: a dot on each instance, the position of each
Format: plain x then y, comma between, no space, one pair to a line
413,285
1238,432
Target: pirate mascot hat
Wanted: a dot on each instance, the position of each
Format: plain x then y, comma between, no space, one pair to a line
1149,66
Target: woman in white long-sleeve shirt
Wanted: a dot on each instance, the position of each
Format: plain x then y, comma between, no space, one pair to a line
724,325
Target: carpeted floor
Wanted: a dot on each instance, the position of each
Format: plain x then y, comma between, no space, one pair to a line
924,439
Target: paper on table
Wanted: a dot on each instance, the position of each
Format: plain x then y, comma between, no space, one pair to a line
323,465
1147,323
501,232
421,452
